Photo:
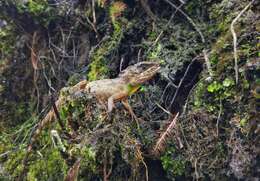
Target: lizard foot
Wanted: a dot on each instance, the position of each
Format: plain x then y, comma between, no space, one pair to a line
134,117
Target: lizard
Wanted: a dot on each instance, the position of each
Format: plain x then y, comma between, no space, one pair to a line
111,91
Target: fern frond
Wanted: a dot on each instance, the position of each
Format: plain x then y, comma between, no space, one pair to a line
160,144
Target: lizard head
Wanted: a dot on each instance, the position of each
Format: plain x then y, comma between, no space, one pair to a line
139,73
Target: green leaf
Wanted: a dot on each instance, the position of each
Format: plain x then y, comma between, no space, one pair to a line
243,122
143,89
63,113
214,87
228,82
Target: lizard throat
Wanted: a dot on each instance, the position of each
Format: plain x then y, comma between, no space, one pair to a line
131,89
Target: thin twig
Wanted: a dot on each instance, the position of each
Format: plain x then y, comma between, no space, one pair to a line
189,95
189,19
5,153
181,81
106,174
139,55
59,144
219,114
232,29
162,108
196,170
161,33
121,64
147,9
168,23
94,12
92,25
56,112
143,162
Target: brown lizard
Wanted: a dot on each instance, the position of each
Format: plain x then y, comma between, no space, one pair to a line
106,90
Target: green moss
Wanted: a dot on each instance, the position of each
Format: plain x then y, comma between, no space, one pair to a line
7,43
13,164
154,54
74,79
98,66
89,159
100,56
173,163
210,95
115,11
37,6
50,166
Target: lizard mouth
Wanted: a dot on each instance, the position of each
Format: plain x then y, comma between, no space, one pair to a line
148,67
149,70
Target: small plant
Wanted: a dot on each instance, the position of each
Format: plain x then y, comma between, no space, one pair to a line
173,163
37,7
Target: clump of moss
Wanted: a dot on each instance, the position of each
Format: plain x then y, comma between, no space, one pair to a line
227,103
13,165
49,165
173,163
100,56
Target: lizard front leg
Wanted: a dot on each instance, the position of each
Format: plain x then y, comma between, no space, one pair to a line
130,110
123,98
114,98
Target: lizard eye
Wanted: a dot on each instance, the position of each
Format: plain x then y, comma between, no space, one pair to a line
143,67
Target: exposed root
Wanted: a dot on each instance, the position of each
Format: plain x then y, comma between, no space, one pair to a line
73,171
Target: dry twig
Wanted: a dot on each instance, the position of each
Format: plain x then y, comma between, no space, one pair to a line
147,9
35,60
232,29
73,171
140,157
219,114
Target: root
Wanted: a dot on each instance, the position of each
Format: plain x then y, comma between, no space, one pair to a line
232,29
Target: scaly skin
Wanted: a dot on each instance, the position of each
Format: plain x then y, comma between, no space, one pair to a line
106,90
